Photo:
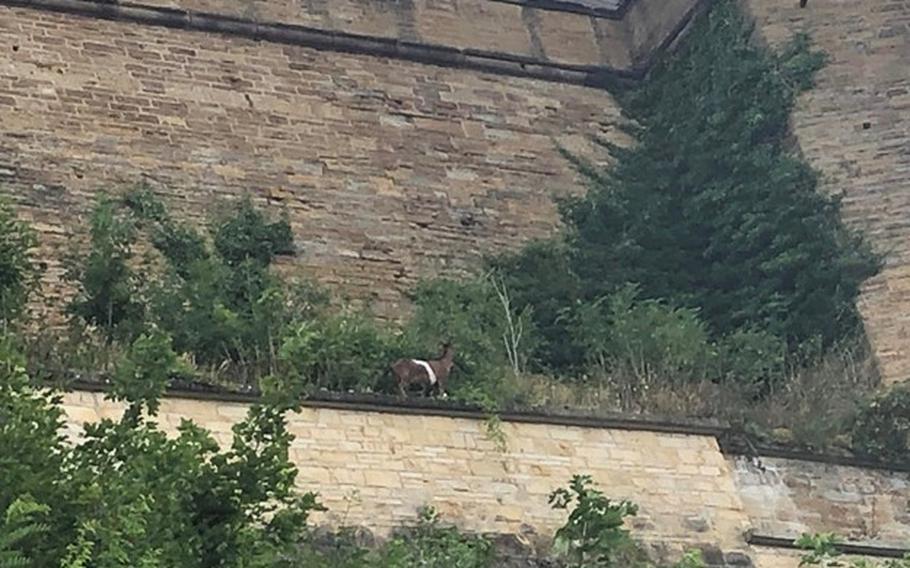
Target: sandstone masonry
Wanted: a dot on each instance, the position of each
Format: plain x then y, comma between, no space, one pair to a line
854,126
407,139
376,468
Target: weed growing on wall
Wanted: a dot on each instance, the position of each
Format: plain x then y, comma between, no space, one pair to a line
823,551
881,429
18,270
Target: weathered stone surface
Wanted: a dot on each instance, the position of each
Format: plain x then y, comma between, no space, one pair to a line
378,163
529,31
375,470
854,126
786,498
384,473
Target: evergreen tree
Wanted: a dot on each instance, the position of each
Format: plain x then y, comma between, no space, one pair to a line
711,208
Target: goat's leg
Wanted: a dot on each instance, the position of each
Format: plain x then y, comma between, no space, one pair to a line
401,389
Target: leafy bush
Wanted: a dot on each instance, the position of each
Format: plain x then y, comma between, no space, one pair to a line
432,545
753,360
882,427
107,288
21,525
490,336
594,534
221,305
18,270
128,494
31,426
340,352
709,209
543,284
216,297
144,373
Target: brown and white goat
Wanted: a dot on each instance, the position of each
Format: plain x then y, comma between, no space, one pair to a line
430,373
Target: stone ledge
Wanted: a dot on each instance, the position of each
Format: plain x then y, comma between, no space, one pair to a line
497,62
736,447
851,548
429,407
386,404
575,8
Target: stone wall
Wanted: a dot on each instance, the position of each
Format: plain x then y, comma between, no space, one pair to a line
621,38
389,169
406,139
854,126
785,498
375,467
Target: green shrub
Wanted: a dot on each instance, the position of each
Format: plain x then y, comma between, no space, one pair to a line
710,209
751,360
143,374
490,336
216,298
543,284
432,545
107,288
594,534
21,525
881,430
18,270
130,495
343,351
646,337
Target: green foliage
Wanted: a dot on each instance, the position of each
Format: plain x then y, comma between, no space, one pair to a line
31,425
221,305
22,524
143,375
129,495
427,544
216,298
594,534
709,210
823,551
18,271
881,430
247,235
542,281
691,559
752,359
490,336
107,295
346,351
431,545
646,337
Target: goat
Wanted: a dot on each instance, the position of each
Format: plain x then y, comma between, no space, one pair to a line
432,373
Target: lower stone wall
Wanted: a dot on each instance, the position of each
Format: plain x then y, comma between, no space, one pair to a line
376,468
785,498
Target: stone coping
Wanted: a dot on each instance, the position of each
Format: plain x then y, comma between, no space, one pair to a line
734,445
430,407
576,7
851,548
595,76
727,438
